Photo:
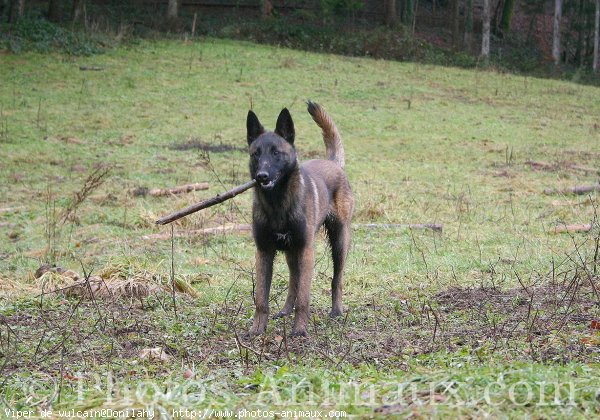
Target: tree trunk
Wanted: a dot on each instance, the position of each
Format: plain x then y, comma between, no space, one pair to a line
532,23
468,39
16,10
507,14
407,11
455,23
595,62
172,9
485,35
580,25
391,15
54,10
78,10
556,31
266,9
414,16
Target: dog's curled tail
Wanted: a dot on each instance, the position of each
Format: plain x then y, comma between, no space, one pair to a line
331,135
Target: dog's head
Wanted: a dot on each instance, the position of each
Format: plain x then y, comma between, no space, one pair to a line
272,153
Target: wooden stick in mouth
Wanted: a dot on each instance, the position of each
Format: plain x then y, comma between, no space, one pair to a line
206,203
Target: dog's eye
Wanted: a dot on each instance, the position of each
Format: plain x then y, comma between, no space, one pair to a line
275,152
256,153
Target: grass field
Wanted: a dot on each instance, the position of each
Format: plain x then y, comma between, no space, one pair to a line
495,315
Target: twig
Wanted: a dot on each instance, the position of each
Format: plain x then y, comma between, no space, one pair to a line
173,272
262,346
92,182
206,203
285,344
90,291
39,111
437,321
242,345
573,228
344,355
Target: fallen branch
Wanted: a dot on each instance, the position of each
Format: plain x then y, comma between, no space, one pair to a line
90,68
433,226
159,192
11,209
206,203
573,228
578,190
584,169
543,166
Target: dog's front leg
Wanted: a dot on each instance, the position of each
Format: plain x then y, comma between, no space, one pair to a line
292,258
264,274
306,264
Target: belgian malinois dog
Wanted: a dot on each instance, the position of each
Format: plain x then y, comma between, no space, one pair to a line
291,202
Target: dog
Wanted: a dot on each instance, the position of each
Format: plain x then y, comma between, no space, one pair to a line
291,203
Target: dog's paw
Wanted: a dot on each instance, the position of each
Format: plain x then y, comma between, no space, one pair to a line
252,333
259,326
335,313
299,332
280,314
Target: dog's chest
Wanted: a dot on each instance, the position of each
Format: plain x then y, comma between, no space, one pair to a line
283,240
285,232
280,231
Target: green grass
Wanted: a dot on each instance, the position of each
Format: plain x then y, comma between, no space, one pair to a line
424,144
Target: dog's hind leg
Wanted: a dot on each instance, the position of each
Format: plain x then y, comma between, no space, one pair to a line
339,239
290,301
264,275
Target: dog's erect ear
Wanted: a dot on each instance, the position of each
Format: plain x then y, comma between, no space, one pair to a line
285,126
253,127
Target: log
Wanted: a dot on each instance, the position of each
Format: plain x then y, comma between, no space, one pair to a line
199,232
206,203
544,166
90,68
585,169
573,228
578,190
160,192
11,209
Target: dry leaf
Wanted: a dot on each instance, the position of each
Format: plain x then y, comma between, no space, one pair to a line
589,341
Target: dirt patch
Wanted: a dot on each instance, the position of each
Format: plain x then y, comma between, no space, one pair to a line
196,144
